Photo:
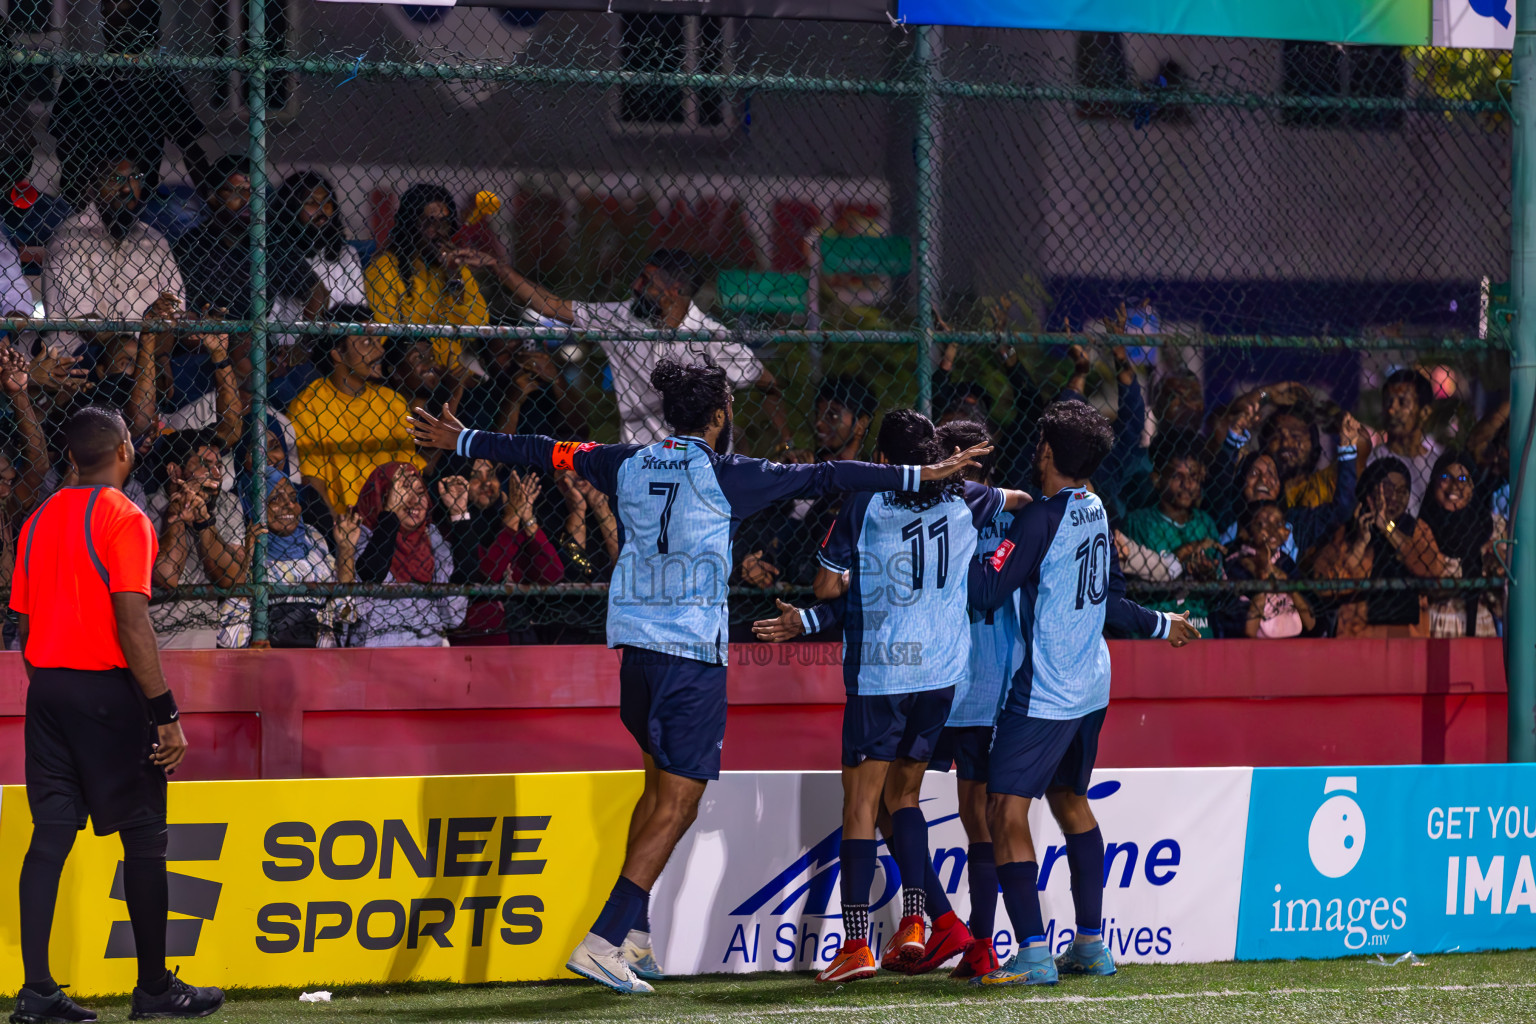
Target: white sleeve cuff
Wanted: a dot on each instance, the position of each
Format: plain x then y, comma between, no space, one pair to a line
829,566
807,622
1164,626
911,478
462,447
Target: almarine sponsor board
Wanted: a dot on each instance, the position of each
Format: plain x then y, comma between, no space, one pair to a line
755,884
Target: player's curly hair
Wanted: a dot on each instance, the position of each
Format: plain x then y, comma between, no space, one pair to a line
1079,437
690,395
907,438
967,434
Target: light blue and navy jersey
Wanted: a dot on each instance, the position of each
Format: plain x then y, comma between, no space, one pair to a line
996,647
678,504
1060,558
905,621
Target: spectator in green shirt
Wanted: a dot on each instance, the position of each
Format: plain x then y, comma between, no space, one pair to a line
1182,535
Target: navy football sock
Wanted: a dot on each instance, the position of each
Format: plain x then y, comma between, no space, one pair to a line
1085,857
1021,896
981,869
909,846
643,923
938,899
857,857
625,905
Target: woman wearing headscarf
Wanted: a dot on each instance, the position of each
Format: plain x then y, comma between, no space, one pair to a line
1382,541
399,544
282,455
1466,530
511,549
296,554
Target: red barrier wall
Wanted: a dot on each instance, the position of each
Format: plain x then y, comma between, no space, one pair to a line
394,711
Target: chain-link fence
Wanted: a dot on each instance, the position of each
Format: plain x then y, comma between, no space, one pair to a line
266,229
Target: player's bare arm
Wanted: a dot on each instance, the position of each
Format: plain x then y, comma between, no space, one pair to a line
137,637
1015,500
829,585
21,635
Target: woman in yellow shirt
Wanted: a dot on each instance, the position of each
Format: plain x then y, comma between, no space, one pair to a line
438,288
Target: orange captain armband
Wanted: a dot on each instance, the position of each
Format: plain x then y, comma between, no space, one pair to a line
565,453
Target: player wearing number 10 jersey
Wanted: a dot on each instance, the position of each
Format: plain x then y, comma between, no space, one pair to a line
1060,559
678,502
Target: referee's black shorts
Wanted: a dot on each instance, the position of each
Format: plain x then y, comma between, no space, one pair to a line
89,739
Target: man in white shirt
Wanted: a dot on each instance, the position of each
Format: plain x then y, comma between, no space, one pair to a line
663,299
1407,398
15,293
105,263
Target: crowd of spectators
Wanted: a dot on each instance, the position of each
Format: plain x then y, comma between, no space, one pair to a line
1269,488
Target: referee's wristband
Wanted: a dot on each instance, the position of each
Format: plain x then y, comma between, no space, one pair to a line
163,709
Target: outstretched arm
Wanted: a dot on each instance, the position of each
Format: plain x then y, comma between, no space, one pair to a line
596,463
792,622
536,297
1125,615
752,485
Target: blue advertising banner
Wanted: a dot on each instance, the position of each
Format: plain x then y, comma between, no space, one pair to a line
1433,858
1385,22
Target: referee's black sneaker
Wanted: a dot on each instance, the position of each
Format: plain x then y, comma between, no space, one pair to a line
179,1000
32,1008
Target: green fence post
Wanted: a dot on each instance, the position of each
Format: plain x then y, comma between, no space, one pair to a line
1520,624
256,103
925,152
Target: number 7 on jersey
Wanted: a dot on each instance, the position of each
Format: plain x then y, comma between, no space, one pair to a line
668,491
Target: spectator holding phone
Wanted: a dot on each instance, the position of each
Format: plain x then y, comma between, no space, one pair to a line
1466,530
1383,541
421,277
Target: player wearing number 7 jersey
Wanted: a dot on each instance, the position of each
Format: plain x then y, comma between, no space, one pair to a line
678,503
1060,558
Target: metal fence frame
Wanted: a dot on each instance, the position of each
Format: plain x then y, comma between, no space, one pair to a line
922,83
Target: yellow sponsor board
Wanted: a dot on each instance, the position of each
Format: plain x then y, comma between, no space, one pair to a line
312,881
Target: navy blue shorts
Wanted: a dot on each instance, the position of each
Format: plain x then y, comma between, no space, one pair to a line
675,709
1031,755
966,748
891,726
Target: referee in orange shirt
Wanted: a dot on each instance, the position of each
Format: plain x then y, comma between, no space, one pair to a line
102,730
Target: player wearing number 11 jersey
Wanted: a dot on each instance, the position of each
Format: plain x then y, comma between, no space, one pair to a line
678,502
894,567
